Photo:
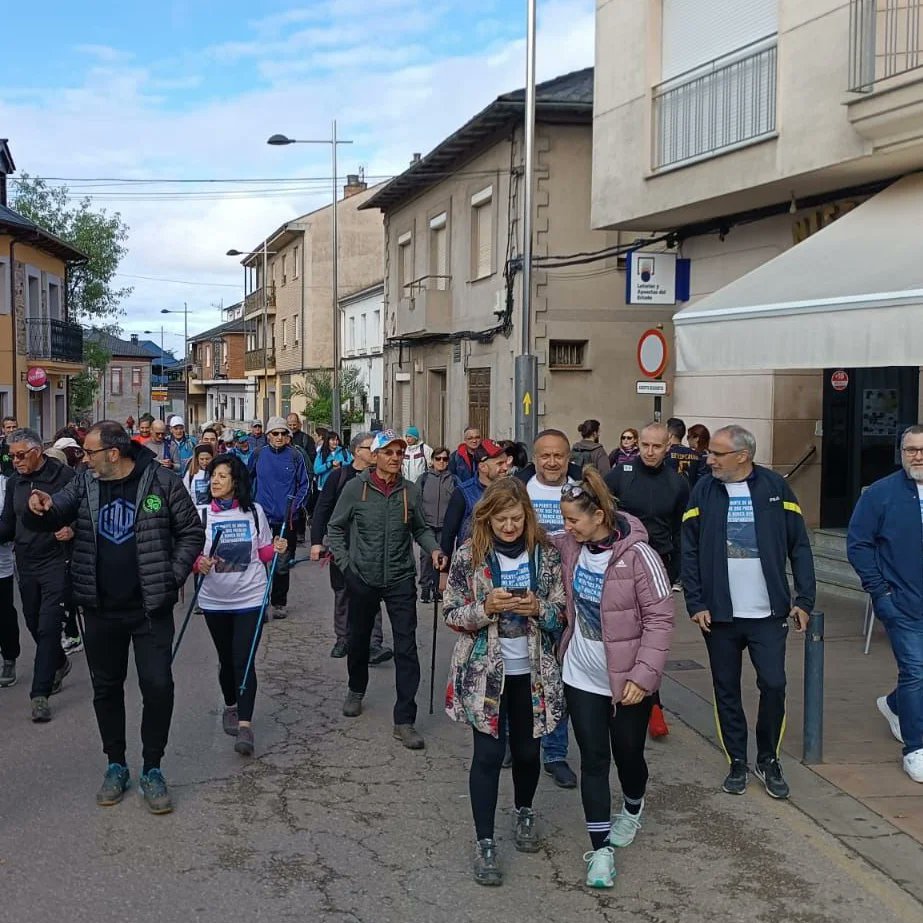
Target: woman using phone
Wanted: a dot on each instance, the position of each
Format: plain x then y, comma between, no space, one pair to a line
505,598
614,649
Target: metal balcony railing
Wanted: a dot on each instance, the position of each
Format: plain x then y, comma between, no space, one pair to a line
723,104
885,39
54,339
253,303
254,360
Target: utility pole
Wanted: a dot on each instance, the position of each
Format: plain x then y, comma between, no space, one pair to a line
335,401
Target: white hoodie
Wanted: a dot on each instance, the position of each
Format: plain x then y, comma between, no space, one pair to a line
417,460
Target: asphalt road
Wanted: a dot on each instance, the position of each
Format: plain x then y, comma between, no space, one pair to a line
333,820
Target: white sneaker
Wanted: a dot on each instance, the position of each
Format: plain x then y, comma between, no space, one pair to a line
600,867
625,826
913,765
893,721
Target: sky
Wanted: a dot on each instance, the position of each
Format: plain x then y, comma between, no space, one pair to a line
191,89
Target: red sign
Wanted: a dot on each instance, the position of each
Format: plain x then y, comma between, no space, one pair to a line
36,379
839,380
652,353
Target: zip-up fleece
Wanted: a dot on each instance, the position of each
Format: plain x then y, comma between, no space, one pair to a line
372,535
780,535
436,489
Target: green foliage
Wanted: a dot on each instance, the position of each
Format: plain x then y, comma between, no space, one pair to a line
83,387
317,392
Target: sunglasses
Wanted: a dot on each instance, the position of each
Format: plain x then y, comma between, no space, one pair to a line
628,436
444,458
19,456
575,491
279,433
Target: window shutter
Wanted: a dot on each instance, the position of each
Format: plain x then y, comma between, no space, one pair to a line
484,241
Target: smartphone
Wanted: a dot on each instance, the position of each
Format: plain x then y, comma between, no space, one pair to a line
521,592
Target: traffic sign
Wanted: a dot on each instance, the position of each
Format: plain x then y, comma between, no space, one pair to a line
652,353
656,388
839,380
159,395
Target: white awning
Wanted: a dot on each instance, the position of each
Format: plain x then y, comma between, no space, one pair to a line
850,295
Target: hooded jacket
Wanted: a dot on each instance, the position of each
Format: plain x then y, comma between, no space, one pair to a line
436,489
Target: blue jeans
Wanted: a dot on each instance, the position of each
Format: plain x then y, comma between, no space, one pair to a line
905,633
554,745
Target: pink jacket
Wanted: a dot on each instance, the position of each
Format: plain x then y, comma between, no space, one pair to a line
636,608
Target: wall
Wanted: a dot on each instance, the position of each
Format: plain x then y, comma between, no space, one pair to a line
365,354
119,407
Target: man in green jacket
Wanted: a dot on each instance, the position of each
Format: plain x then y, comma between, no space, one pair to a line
371,535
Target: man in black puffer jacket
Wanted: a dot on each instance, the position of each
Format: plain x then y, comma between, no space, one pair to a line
137,535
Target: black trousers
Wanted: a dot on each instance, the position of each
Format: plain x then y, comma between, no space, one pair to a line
607,731
44,597
9,621
232,633
107,638
278,595
429,579
401,602
484,776
764,639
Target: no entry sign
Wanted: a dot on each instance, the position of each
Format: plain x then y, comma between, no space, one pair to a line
839,380
652,353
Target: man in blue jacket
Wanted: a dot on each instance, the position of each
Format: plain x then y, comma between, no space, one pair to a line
741,526
885,547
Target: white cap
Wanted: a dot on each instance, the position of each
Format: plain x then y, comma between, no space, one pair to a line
177,421
65,442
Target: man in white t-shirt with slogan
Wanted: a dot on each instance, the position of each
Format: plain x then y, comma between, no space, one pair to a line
742,526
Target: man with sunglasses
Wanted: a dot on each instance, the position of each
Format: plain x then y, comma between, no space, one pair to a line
42,563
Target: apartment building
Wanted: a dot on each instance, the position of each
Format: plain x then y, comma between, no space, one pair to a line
776,144
363,349
453,281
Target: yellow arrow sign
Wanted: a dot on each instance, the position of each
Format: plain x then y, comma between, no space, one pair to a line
527,404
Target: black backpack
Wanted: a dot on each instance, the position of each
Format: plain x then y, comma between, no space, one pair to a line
581,457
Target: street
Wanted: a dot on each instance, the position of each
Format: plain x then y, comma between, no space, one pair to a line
333,820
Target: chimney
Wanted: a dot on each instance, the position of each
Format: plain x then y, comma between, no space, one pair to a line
134,338
417,157
354,185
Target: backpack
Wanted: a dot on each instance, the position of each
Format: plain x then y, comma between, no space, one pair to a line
581,457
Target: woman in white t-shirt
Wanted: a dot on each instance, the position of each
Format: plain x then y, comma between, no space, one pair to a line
234,587
614,649
196,478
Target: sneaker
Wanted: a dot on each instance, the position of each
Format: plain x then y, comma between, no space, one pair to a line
59,675
678,586
280,612
770,773
525,838
339,649
624,826
115,783
229,720
244,745
409,736
657,725
882,702
600,867
8,673
913,765
379,655
437,596
426,596
352,706
562,774
735,782
71,645
486,868
41,711
156,796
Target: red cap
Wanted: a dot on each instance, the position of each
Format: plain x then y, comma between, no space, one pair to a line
487,449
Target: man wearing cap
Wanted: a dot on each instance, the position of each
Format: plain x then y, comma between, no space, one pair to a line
241,447
371,534
280,486
182,445
257,437
418,458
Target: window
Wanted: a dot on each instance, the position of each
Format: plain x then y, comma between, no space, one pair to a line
567,354
482,233
115,380
136,376
405,263
34,305
295,264
351,341
438,251
284,333
376,328
296,331
283,272
4,290
54,301
272,336
363,331
479,399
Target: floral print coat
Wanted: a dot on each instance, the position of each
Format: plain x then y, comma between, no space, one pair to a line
476,673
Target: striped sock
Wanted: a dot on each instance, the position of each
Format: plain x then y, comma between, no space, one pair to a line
599,832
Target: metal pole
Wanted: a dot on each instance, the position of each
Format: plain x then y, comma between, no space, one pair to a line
336,404
265,335
526,369
813,733
186,362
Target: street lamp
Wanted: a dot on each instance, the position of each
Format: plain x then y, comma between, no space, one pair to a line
333,141
185,313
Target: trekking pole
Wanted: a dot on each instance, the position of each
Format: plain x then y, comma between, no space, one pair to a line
432,662
195,596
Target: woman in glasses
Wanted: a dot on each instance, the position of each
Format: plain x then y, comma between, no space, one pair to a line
614,648
505,598
628,447
330,456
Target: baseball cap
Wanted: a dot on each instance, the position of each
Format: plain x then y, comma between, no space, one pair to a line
65,442
256,423
241,436
487,449
385,438
177,421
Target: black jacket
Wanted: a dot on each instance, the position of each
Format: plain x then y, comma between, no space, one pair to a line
780,535
35,549
168,532
304,441
657,496
327,500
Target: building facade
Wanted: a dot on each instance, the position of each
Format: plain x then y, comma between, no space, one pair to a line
363,349
124,388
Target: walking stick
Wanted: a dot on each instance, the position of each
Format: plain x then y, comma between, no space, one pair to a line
195,596
432,663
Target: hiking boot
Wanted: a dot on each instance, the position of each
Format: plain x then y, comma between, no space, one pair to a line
600,867
340,649
244,745
409,736
41,710
379,655
882,702
486,869
8,673
59,675
770,773
624,826
115,782
735,782
562,774
156,796
525,838
657,725
280,612
229,720
352,707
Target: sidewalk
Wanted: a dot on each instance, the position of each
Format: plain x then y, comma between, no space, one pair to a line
861,758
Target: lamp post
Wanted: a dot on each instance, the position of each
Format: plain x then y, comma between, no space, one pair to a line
185,313
333,141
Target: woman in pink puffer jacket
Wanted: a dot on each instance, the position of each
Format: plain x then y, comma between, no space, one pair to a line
614,649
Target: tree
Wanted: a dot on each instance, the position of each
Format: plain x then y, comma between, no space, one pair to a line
83,387
317,392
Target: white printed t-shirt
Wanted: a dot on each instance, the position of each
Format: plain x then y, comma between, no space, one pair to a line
514,641
585,658
198,486
749,593
546,501
238,581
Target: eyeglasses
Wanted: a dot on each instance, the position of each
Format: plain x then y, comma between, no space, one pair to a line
715,454
907,450
92,452
365,445
392,453
19,456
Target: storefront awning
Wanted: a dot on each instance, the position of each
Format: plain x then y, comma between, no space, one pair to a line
850,295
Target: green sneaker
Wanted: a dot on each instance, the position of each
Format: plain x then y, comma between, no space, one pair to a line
600,867
525,839
625,826
156,795
115,782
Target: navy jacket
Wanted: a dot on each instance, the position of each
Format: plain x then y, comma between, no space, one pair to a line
780,534
279,475
885,542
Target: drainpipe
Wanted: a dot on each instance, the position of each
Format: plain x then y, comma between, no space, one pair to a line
15,338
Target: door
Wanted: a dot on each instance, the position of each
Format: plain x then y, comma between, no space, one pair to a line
435,423
865,412
479,400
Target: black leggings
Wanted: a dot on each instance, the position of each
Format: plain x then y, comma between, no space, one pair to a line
487,761
601,730
232,633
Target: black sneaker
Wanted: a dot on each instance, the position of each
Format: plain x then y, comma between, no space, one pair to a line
769,772
379,655
115,782
735,782
426,597
156,795
59,677
486,868
41,710
352,706
8,673
339,649
525,839
562,774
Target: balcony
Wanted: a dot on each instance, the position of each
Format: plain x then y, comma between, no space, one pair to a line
55,340
253,303
427,309
726,104
254,360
